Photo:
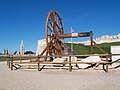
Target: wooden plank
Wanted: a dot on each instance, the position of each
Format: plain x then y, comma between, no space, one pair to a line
41,68
77,62
28,57
25,62
16,66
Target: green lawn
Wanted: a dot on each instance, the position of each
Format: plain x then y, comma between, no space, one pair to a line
3,58
85,49
80,49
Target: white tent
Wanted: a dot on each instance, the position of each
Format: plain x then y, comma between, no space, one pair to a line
115,50
89,59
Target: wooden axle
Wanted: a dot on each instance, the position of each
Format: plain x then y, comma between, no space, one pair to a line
74,35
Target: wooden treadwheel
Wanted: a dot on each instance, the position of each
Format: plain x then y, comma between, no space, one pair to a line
54,27
55,35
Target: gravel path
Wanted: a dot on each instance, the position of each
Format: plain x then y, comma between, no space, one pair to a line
58,79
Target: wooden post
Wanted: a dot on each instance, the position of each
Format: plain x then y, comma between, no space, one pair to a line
9,62
91,46
70,67
107,64
12,63
104,67
8,59
38,66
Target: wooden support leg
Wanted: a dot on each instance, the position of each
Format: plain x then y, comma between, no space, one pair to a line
105,69
97,64
41,68
17,67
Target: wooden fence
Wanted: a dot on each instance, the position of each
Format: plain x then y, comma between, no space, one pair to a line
17,61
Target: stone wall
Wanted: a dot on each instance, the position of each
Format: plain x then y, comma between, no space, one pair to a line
104,39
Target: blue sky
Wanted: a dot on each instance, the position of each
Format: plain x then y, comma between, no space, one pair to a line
25,19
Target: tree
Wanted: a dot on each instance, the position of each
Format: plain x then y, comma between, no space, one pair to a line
15,52
29,52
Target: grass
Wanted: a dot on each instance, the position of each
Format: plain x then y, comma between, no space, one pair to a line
85,49
3,58
80,49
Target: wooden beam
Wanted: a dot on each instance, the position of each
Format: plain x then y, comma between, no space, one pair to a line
84,34
103,51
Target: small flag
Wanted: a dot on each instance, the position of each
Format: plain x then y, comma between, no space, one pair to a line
72,31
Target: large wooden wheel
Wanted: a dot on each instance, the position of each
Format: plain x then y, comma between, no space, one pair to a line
54,28
55,35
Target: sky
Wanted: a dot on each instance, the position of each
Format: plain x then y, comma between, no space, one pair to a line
25,20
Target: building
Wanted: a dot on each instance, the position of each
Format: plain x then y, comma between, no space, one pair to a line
115,50
22,48
102,39
42,44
